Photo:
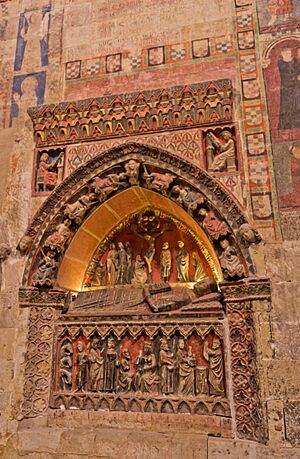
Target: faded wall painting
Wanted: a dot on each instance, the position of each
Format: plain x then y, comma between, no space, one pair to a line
278,14
282,80
32,40
25,90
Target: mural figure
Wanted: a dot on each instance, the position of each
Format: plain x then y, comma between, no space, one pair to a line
32,41
279,9
293,198
289,69
165,262
182,262
186,364
216,368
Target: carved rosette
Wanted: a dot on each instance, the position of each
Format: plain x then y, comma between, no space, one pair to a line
38,361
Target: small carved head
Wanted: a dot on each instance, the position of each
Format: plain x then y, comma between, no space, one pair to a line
249,234
80,346
216,344
181,344
226,135
24,245
180,244
5,251
165,246
110,343
224,243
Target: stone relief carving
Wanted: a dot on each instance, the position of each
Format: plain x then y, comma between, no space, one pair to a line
249,235
230,261
221,152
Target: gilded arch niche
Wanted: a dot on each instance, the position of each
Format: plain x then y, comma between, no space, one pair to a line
154,347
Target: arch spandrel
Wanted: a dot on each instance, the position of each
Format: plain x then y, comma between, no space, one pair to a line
110,215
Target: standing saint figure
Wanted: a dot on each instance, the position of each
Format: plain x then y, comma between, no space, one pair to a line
82,366
165,262
129,254
216,368
139,277
289,110
182,262
167,365
36,31
125,374
186,364
200,272
96,361
112,265
111,363
122,264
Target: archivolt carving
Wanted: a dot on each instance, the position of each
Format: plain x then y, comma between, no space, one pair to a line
122,167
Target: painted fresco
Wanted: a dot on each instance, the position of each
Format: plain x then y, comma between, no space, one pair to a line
32,40
278,14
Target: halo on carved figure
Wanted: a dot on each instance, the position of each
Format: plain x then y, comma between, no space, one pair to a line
108,175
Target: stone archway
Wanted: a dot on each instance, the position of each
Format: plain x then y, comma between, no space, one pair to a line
126,180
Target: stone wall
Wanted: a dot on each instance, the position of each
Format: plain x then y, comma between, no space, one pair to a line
68,50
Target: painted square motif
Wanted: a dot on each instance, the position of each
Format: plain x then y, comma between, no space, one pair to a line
261,204
253,116
259,171
223,44
114,63
248,63
135,61
256,144
246,39
177,53
92,67
156,56
73,70
250,89
200,48
244,19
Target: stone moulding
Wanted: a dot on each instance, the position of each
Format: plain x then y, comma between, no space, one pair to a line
178,107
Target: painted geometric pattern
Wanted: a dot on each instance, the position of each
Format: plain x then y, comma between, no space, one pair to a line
256,144
186,144
246,39
253,116
248,63
250,89
159,55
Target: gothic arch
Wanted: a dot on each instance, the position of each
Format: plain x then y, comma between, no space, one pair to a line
99,181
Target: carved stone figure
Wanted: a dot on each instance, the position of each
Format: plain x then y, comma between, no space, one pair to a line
132,171
139,277
187,197
216,368
230,262
106,185
77,210
65,367
129,254
96,361
214,227
200,272
165,262
99,275
201,381
56,240
47,174
149,378
225,160
182,262
249,234
111,363
112,263
186,364
82,362
167,366
125,374
122,264
46,270
24,245
159,182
